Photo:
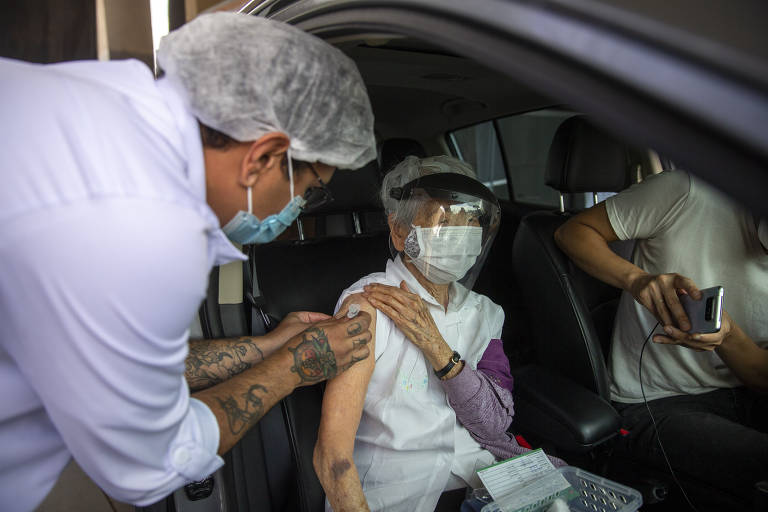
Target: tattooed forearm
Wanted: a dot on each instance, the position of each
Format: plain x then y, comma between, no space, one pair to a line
241,416
212,361
313,359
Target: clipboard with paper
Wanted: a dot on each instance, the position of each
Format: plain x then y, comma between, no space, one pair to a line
530,483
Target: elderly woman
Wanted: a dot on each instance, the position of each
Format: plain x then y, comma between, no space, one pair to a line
434,403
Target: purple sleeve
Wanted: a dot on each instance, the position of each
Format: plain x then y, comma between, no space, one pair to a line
482,401
495,365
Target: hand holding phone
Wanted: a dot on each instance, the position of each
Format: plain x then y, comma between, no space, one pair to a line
705,314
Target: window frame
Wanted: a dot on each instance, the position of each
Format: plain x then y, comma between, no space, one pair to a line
455,149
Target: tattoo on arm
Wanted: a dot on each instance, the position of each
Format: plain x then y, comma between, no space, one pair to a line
355,359
313,359
210,362
243,417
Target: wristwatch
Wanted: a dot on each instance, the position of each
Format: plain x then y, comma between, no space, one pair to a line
455,359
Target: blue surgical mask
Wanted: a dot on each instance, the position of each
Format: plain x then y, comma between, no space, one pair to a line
246,228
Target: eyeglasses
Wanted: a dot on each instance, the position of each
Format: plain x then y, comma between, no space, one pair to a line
316,197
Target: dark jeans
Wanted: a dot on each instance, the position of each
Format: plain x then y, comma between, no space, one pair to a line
716,440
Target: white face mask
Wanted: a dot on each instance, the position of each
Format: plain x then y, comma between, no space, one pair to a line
444,254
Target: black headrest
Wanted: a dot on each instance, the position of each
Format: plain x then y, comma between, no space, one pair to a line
394,151
583,158
330,264
354,190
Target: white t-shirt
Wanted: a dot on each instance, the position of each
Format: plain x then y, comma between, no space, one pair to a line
409,446
106,246
685,226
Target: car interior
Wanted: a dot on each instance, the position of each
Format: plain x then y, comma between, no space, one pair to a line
544,161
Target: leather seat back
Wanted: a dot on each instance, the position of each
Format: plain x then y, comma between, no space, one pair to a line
571,313
310,275
258,473
355,208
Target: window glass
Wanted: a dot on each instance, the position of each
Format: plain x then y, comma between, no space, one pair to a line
526,139
479,147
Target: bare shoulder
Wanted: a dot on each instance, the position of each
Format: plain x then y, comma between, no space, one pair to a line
359,302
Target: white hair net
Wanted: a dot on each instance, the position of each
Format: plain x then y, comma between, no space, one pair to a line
247,76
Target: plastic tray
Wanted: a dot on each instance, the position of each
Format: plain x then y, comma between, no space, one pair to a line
588,493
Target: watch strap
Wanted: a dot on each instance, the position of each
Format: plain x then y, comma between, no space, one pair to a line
455,359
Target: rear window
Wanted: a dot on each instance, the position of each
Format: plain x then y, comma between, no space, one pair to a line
510,154
478,145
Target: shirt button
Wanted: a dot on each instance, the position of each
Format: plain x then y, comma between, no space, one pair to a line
181,457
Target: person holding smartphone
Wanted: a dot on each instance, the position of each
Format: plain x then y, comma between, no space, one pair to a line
705,390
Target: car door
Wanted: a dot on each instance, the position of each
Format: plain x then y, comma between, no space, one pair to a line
693,91
635,74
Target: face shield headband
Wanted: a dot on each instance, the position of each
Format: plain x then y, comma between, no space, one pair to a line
452,187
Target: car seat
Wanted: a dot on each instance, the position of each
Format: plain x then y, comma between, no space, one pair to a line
354,210
565,398
310,274
572,313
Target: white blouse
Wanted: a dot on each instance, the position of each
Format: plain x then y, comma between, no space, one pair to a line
409,446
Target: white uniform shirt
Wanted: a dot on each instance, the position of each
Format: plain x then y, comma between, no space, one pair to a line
683,225
409,446
106,246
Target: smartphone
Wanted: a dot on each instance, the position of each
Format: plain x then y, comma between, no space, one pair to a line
706,313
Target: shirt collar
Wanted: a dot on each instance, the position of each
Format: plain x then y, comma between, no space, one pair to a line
220,249
397,271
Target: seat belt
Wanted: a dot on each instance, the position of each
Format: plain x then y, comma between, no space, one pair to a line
260,322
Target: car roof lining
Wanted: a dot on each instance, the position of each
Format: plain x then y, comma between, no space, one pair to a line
420,91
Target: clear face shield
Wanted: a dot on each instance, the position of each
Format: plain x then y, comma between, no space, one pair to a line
453,221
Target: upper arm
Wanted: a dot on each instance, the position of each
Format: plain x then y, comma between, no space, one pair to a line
99,332
639,212
345,394
646,209
594,218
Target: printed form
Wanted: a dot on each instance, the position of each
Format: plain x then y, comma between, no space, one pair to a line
510,476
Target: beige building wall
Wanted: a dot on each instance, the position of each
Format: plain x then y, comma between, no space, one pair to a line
74,490
124,30
194,7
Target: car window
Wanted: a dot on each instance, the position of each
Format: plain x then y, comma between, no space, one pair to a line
525,140
478,145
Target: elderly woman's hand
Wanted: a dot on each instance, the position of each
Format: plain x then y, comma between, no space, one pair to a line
411,315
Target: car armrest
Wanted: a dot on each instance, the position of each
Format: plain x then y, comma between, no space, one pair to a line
555,409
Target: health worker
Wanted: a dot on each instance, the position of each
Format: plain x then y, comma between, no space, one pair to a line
118,194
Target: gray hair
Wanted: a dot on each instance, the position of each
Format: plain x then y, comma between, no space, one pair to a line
407,171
